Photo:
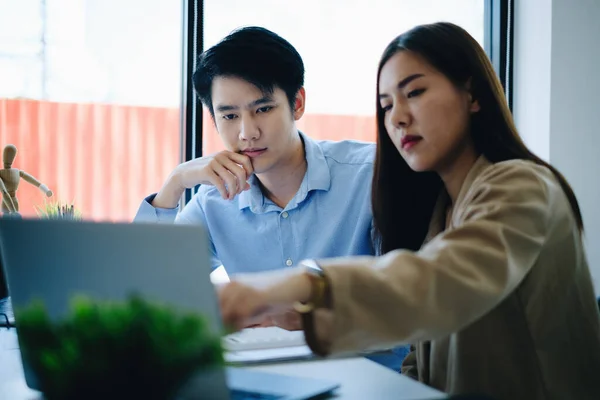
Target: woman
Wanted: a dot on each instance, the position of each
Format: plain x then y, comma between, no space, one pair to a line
484,267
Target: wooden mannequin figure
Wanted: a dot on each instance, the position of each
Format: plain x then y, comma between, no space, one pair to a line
9,181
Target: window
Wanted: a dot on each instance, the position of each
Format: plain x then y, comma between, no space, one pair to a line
340,42
92,90
90,94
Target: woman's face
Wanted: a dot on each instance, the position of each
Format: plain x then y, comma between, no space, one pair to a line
426,115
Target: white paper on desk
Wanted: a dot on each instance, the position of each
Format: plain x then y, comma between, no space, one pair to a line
264,355
265,279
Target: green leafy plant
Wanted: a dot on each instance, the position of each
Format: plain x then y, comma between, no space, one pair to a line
109,350
58,210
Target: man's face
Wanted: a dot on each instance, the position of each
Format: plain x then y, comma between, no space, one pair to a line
259,125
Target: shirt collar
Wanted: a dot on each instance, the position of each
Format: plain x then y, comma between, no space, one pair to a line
317,177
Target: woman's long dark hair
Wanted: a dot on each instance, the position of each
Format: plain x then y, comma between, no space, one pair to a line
403,200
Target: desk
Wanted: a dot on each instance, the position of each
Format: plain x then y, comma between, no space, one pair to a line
360,378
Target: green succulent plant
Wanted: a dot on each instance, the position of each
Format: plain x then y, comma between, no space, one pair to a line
58,210
110,350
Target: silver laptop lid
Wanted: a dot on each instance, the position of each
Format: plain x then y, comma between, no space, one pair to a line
53,260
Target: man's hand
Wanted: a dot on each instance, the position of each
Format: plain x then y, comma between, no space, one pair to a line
227,171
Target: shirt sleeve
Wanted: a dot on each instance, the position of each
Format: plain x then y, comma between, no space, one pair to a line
192,213
148,213
459,276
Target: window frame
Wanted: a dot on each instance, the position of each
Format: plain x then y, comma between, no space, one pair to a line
498,40
191,107
498,44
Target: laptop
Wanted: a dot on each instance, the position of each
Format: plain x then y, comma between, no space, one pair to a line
54,259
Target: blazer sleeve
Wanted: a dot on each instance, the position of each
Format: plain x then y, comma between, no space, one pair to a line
457,277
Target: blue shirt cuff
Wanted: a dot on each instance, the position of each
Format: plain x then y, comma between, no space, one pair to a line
148,213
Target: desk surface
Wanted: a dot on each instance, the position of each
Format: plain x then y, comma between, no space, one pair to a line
359,377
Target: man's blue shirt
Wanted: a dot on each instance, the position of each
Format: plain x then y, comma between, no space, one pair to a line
330,215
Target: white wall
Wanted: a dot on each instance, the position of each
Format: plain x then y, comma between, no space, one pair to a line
557,97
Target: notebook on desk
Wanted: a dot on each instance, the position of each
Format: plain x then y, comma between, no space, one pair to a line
265,345
168,263
262,338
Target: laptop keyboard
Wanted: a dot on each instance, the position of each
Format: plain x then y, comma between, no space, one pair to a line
241,395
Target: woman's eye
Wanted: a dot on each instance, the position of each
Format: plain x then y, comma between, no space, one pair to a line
386,108
415,92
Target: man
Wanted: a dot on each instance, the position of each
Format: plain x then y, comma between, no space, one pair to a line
275,196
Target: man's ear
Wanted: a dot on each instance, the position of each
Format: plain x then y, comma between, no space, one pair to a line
299,104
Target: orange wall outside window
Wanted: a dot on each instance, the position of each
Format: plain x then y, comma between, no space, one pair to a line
106,158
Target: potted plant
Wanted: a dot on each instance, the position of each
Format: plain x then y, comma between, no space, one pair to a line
58,210
109,350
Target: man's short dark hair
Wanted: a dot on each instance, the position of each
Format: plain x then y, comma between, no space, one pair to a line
255,55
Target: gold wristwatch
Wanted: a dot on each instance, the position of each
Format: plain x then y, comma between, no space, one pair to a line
320,296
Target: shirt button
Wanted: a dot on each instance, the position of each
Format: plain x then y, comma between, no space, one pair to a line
284,214
288,262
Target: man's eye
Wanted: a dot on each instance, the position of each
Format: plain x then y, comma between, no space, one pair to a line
264,109
229,116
